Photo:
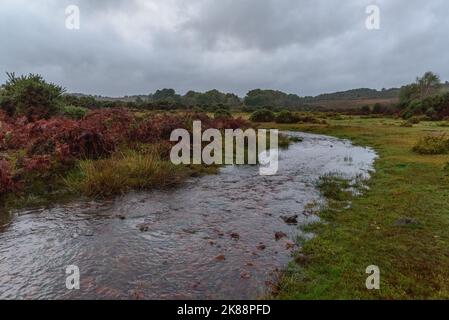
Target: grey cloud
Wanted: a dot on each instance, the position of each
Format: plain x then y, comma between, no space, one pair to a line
301,46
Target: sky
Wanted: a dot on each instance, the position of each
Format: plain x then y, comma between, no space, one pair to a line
306,47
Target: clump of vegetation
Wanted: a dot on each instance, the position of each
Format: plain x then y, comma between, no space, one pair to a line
123,172
413,120
262,115
307,118
74,112
283,141
334,187
446,168
296,139
432,144
286,117
406,124
424,98
222,113
30,96
7,184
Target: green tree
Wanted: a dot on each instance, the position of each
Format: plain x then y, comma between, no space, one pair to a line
428,84
408,93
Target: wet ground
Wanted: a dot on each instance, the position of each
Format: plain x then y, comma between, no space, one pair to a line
212,238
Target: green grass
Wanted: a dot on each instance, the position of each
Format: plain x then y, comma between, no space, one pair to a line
413,259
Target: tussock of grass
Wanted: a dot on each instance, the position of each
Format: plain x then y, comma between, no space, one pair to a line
283,141
334,187
124,172
432,144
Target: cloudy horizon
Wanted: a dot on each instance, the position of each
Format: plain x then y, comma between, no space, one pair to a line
297,46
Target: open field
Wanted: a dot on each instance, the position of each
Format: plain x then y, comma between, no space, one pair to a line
400,224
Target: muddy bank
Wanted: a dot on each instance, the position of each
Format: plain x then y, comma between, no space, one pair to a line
223,236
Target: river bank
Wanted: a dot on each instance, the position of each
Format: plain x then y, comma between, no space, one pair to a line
400,224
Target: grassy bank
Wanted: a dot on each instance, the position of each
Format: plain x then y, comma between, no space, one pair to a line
401,224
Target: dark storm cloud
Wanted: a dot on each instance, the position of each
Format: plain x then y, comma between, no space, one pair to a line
301,46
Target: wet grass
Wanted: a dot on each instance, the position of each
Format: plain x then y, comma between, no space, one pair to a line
413,258
124,172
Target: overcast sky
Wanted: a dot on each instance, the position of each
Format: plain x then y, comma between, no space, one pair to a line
307,47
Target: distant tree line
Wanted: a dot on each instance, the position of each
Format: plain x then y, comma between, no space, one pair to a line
32,96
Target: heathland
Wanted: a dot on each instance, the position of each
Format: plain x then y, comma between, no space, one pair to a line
55,146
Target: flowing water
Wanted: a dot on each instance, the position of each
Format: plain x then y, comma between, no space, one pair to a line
211,238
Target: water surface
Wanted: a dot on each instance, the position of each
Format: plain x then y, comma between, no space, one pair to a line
211,238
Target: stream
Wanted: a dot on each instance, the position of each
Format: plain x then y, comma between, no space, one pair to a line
213,237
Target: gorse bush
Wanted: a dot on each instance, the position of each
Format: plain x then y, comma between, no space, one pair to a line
432,144
30,96
286,117
262,115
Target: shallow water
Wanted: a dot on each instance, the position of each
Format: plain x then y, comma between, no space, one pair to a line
171,243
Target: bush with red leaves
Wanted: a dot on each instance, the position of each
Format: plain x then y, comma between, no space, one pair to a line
59,140
156,128
38,164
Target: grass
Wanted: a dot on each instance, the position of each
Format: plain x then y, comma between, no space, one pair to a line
413,259
124,172
145,168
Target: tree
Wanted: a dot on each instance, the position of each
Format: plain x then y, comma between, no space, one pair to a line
428,84
408,93
30,96
273,98
165,95
377,108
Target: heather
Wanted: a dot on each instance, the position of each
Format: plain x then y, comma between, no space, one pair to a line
104,149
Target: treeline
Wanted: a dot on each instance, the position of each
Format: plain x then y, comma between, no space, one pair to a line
427,99
354,94
212,100
208,101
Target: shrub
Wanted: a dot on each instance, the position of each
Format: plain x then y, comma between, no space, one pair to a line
286,117
157,128
311,119
432,144
262,115
222,113
414,120
74,112
30,96
228,123
406,124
